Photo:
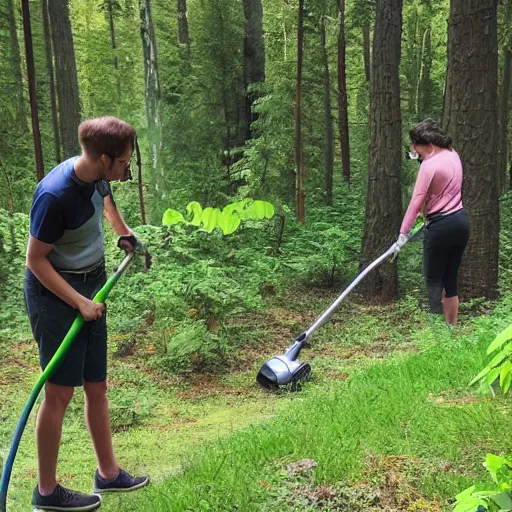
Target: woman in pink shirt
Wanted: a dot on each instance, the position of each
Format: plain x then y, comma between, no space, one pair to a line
437,194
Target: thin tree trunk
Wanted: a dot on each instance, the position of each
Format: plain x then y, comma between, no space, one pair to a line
383,200
152,94
472,121
183,36
504,102
301,209
51,78
140,183
112,31
342,95
366,50
254,57
21,111
66,76
329,136
424,93
31,72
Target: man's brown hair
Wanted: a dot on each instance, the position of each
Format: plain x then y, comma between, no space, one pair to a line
106,136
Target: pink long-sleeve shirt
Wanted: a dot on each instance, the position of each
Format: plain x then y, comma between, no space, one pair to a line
438,187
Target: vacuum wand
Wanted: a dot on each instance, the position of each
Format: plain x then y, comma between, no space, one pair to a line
287,369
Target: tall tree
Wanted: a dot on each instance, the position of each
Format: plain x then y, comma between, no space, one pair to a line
342,95
66,75
504,100
31,73
329,136
301,207
21,113
51,78
383,200
183,36
470,117
152,95
254,57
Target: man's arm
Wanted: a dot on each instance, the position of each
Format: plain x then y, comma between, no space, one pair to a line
114,218
38,263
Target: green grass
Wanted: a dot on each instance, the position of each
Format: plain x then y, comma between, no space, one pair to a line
416,407
389,402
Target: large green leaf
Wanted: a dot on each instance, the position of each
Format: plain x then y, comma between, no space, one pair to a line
258,210
502,338
195,209
495,463
506,368
228,222
209,218
171,217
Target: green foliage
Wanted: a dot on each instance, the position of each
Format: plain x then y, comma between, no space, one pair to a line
500,365
227,220
497,499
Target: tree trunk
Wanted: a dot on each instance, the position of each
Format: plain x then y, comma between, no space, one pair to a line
342,95
424,94
329,136
254,57
51,78
112,31
21,111
140,183
183,36
31,72
301,208
366,50
383,201
152,94
66,76
472,121
504,102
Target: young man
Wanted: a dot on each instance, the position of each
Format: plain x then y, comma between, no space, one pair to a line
65,268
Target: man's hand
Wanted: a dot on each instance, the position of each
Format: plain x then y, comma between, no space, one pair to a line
129,243
91,310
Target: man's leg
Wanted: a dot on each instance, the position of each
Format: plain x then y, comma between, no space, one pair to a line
48,433
98,422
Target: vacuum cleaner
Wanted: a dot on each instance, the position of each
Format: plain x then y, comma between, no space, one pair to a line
286,371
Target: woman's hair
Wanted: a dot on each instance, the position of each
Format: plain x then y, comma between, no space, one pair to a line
429,132
106,136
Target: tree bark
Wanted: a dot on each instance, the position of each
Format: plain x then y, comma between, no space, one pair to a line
140,183
342,95
152,95
21,111
383,201
329,136
183,36
424,94
254,57
366,49
504,104
66,76
51,78
301,209
31,72
472,121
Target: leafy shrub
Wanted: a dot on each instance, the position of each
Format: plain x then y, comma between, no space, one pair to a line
496,499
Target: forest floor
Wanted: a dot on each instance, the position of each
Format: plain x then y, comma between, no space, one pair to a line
386,423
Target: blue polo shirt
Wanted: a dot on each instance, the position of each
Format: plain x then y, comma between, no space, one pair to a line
68,213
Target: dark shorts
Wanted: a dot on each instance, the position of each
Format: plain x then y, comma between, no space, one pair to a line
446,237
51,318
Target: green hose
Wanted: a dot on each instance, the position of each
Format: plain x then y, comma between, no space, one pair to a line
54,363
